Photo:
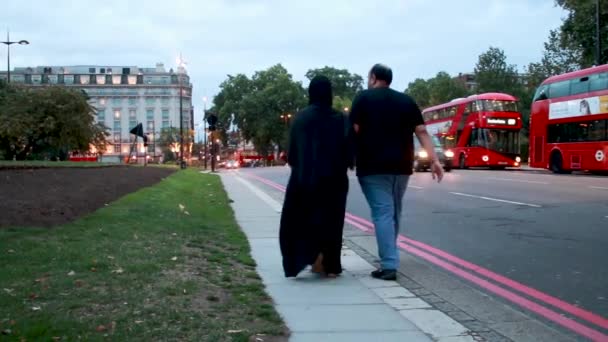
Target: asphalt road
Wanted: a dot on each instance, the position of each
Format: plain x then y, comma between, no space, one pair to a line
548,232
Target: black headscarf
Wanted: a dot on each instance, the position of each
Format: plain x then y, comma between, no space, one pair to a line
319,91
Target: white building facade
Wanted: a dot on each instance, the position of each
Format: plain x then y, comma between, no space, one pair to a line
124,96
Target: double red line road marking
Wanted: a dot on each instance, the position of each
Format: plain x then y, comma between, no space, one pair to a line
472,273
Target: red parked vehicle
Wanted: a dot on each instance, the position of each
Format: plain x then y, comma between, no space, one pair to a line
569,122
480,130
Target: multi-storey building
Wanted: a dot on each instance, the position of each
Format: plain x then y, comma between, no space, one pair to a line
123,96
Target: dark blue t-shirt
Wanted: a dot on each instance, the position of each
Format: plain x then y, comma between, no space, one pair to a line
387,120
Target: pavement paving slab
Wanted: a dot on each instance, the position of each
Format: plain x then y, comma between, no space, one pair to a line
353,307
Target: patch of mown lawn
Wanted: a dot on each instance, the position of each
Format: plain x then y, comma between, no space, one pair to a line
167,262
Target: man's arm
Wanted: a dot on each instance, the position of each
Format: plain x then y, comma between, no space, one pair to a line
355,113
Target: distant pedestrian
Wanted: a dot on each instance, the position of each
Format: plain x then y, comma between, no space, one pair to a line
385,121
319,154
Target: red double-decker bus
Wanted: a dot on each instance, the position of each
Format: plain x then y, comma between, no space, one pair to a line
569,122
480,130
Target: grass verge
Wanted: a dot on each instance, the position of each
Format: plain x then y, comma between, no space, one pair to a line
9,164
164,263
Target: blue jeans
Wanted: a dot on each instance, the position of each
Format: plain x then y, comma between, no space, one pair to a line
384,193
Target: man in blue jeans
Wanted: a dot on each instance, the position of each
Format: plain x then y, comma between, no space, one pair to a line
384,122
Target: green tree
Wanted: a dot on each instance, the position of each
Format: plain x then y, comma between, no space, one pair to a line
255,105
275,94
169,141
493,74
342,104
419,90
437,90
344,84
46,123
228,103
101,133
443,88
578,30
556,60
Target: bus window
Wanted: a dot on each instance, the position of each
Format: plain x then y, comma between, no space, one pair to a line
541,93
598,82
477,106
597,130
577,132
499,106
580,86
559,89
501,140
474,138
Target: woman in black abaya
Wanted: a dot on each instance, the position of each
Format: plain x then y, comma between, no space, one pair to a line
319,154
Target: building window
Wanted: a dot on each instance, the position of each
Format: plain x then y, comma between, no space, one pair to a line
116,125
132,124
116,148
166,124
131,101
100,79
116,114
101,115
102,70
91,70
165,101
116,79
116,137
132,114
150,114
165,114
150,101
150,126
117,101
132,80
102,101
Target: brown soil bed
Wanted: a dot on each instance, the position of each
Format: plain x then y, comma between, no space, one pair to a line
52,196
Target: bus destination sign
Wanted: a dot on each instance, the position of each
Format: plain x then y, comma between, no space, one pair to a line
501,121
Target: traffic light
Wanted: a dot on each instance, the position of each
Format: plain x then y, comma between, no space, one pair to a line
212,121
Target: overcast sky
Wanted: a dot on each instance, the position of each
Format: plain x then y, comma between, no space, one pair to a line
417,38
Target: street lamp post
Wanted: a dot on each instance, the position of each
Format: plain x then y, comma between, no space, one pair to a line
205,128
8,44
180,69
598,42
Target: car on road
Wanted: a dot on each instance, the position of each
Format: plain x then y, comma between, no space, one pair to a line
232,164
422,161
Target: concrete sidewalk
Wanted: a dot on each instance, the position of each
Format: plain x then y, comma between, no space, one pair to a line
353,307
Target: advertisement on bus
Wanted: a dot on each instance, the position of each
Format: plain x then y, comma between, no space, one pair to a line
579,107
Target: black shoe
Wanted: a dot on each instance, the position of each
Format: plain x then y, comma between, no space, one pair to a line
385,274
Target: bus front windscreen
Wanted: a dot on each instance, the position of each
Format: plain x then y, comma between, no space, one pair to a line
501,140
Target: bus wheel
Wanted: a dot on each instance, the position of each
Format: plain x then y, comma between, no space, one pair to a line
556,164
462,162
